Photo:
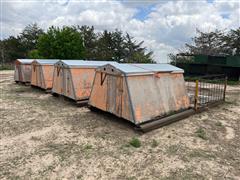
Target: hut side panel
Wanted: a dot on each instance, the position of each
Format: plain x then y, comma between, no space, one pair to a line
47,73
58,80
158,95
25,70
127,112
111,94
68,87
99,93
17,72
118,101
34,75
37,77
82,82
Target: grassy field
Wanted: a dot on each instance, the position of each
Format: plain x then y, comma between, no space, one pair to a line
45,137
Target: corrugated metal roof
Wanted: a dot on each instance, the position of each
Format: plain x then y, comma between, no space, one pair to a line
146,68
130,69
159,67
25,61
84,63
46,61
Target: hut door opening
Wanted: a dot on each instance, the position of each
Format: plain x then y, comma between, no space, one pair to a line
114,94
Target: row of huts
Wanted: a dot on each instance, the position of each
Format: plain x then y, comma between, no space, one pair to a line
136,92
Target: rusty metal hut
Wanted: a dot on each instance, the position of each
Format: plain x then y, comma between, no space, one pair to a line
74,78
22,71
139,93
42,73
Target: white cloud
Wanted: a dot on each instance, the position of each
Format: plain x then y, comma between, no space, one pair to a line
169,25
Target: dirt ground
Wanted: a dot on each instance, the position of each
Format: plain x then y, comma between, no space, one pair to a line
45,137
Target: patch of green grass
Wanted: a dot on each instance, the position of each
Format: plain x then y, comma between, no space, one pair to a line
135,142
219,124
154,143
88,146
201,133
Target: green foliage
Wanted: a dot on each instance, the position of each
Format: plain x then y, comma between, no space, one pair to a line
207,43
135,142
29,36
89,41
65,43
115,46
6,67
11,49
34,54
201,133
19,47
88,146
75,42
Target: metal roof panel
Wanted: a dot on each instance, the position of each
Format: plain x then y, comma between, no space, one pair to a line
46,61
159,67
25,61
85,63
130,69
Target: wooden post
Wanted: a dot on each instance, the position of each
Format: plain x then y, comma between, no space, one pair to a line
196,96
225,88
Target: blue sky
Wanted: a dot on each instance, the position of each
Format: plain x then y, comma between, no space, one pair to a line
143,12
164,26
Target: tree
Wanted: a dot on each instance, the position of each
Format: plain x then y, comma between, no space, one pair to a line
207,43
122,48
61,43
11,49
34,54
135,53
216,43
105,46
89,41
29,37
19,47
231,43
74,42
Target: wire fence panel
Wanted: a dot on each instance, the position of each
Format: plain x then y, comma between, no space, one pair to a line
206,90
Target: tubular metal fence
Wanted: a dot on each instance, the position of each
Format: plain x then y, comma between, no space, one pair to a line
206,90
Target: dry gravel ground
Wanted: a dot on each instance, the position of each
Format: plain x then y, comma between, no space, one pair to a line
44,137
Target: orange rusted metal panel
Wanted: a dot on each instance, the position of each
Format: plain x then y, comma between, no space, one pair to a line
22,71
42,73
74,78
138,92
